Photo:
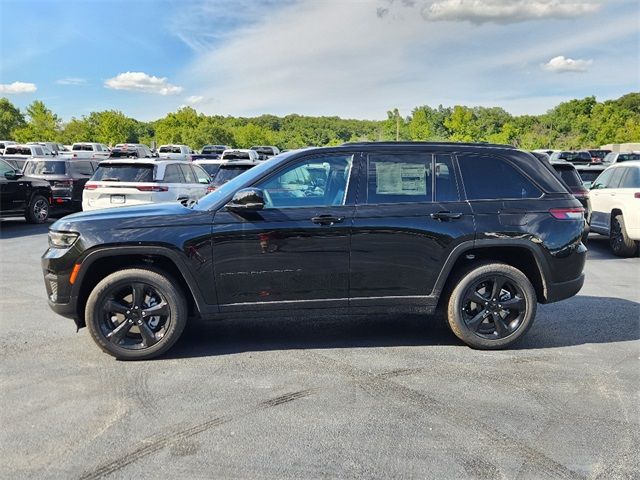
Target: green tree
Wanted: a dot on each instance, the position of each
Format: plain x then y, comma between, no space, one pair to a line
250,134
419,125
42,125
462,125
10,119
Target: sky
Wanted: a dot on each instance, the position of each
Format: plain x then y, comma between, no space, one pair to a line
350,58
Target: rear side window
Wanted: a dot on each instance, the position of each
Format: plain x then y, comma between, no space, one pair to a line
124,173
568,175
615,178
491,178
45,168
81,168
172,174
188,174
399,178
626,157
446,187
631,178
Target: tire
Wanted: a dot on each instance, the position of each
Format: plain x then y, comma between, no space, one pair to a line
621,244
38,209
467,319
120,309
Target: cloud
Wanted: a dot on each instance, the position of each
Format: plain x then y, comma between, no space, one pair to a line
71,81
194,99
560,64
506,11
141,82
17,88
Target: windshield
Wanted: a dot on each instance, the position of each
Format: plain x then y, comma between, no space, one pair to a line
209,201
213,149
123,173
123,153
237,156
226,173
263,150
82,147
17,151
625,157
170,150
45,168
575,156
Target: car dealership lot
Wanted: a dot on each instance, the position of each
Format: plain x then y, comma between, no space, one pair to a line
360,397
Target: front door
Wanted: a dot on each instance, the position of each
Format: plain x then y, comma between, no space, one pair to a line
295,252
406,224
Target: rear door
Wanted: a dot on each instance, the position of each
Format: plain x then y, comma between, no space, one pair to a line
175,181
408,219
80,172
602,196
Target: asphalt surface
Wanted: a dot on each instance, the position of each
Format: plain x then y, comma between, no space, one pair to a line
377,397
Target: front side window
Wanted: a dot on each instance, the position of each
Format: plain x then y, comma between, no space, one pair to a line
201,175
603,180
5,167
399,178
312,182
491,178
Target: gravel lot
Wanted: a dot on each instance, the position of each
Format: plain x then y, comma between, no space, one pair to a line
340,398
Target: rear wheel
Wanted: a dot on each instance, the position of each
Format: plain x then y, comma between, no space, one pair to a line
621,244
492,306
136,314
38,209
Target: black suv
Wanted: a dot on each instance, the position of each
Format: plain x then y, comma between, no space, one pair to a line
20,195
483,231
67,178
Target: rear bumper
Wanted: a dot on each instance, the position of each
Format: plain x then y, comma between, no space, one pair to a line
563,290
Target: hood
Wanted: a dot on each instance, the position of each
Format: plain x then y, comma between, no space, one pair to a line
142,216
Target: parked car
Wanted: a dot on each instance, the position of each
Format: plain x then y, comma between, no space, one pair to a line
17,154
597,155
210,152
53,147
210,166
67,178
89,151
175,152
122,183
266,151
130,151
23,196
615,200
478,229
240,154
229,170
588,173
143,151
576,157
616,157
5,143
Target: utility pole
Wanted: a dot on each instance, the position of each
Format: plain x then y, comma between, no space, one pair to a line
397,125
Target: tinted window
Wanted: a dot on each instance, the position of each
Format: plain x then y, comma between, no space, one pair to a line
446,188
188,174
589,176
227,173
17,151
123,153
211,168
399,178
614,181
625,157
631,178
237,156
487,178
569,175
81,168
575,156
170,150
124,173
297,186
45,168
172,174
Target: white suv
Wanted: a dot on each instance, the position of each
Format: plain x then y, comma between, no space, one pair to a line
89,151
615,204
122,183
175,152
240,154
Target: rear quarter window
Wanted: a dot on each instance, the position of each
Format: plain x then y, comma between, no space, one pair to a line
568,175
492,178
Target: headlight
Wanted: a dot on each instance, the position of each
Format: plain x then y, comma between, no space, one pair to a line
62,239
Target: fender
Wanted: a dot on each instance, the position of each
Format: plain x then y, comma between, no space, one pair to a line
463,247
204,308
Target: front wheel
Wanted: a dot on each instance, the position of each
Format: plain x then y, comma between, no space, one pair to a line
492,306
38,210
621,244
136,314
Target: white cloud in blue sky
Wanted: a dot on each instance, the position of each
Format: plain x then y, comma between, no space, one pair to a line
328,57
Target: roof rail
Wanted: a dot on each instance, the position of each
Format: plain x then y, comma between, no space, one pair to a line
403,143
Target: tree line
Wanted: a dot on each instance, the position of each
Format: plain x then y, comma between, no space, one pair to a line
574,124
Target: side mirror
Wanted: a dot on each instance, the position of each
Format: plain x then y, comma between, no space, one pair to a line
12,175
247,199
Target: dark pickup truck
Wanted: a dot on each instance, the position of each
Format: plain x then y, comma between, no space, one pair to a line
210,152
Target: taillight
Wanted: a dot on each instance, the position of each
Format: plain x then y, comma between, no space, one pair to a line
572,213
211,188
636,195
595,160
153,188
91,186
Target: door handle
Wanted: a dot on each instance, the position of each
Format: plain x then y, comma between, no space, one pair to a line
327,219
446,216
